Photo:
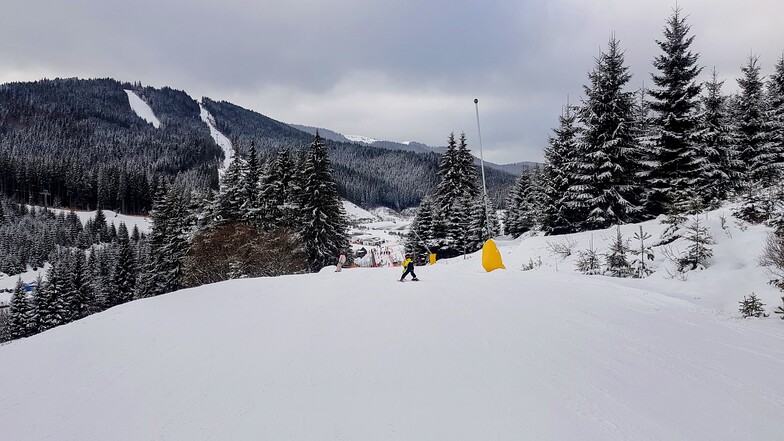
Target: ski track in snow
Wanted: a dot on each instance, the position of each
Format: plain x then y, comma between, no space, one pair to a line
142,109
220,139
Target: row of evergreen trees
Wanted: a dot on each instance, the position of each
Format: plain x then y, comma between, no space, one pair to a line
291,202
458,218
622,157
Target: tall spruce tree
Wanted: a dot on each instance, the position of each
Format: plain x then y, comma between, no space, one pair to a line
449,170
323,219
19,311
125,270
752,135
720,171
50,299
675,167
773,147
521,205
469,183
81,297
605,186
172,224
418,241
251,203
557,177
230,202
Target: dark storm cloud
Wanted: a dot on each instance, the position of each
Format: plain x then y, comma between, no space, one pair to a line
401,70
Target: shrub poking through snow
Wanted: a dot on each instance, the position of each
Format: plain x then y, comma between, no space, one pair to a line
588,261
617,263
697,254
780,309
644,254
773,259
532,264
752,307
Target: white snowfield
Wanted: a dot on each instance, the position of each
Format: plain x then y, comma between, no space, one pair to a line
220,139
142,109
461,355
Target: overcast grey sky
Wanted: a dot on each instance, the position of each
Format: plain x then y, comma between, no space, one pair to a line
398,70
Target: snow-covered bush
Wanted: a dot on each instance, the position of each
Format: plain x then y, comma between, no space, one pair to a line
532,264
752,307
562,248
773,259
756,206
588,261
780,310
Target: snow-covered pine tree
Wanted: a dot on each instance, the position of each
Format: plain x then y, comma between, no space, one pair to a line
557,176
675,102
34,311
421,229
697,253
278,198
617,262
81,297
483,224
19,312
469,182
172,225
100,228
450,186
50,301
752,135
588,260
251,208
643,253
605,173
721,172
780,309
125,270
231,196
459,238
323,220
458,181
521,205
752,307
774,122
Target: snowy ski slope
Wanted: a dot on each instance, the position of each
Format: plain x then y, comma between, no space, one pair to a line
463,355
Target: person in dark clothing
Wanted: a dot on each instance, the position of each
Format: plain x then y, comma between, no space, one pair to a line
408,268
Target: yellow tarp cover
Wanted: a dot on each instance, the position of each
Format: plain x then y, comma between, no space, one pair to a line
491,257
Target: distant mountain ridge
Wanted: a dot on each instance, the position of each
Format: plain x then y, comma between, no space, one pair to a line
515,168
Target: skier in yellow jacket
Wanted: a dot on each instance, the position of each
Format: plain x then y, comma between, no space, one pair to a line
408,268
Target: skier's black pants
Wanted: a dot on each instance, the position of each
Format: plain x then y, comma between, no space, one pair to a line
409,270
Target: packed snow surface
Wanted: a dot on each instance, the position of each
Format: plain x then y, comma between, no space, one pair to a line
462,355
220,139
142,109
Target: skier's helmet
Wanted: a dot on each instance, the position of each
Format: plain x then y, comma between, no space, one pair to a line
408,256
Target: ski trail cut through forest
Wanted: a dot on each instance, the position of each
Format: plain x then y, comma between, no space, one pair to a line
142,109
220,139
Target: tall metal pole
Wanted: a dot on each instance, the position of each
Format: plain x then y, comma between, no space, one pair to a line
482,166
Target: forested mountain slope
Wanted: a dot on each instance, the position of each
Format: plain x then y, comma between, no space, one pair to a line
78,143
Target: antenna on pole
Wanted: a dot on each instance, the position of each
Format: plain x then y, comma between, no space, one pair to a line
482,166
